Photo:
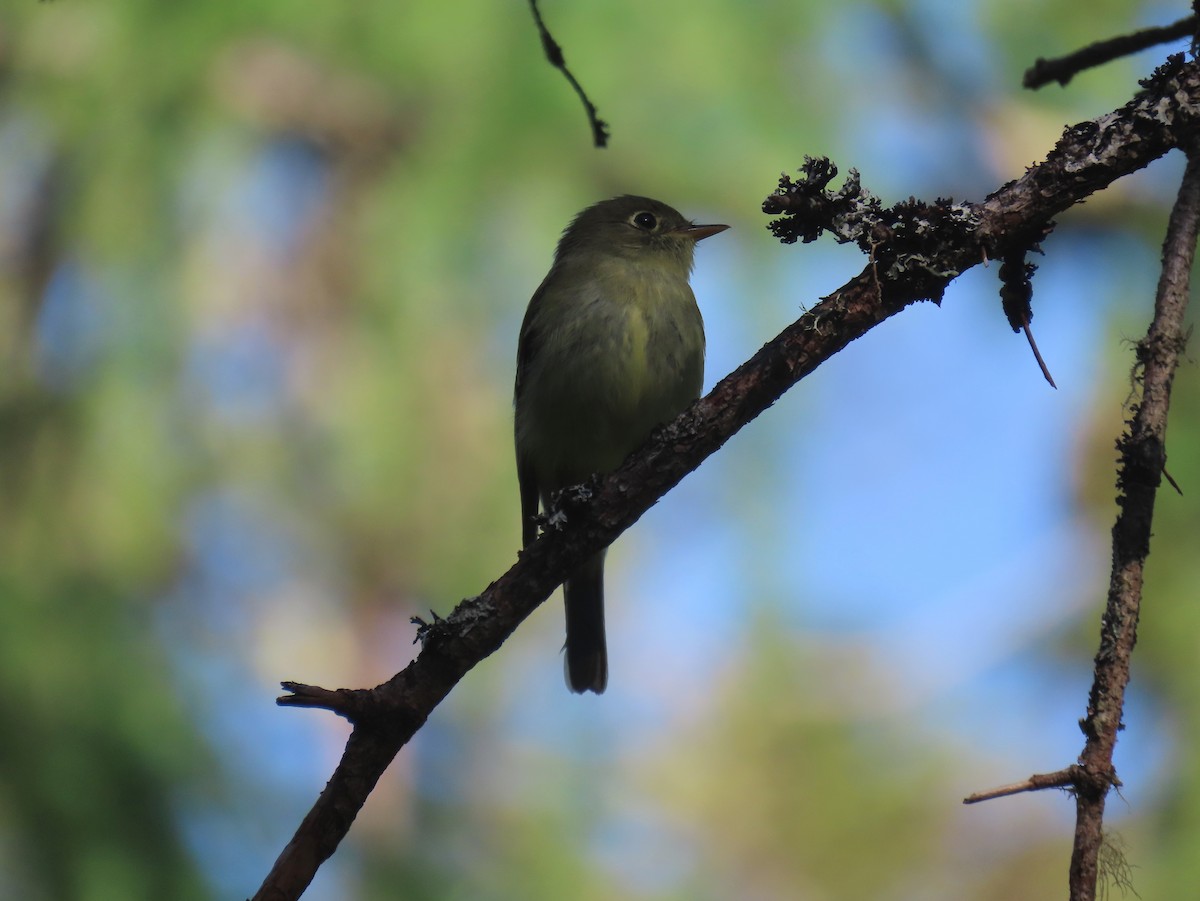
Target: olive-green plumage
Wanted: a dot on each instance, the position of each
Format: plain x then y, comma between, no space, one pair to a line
612,346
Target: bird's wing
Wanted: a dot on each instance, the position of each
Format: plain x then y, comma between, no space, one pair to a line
527,349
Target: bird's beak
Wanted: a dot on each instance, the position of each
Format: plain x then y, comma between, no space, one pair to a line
700,232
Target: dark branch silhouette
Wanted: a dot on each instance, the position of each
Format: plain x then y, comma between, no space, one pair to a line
555,56
1064,68
915,251
1016,297
1140,471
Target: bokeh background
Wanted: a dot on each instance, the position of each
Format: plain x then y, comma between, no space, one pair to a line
262,268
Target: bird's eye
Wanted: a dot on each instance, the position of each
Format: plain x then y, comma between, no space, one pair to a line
644,221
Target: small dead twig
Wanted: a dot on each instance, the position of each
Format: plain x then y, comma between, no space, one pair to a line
555,56
1064,778
1016,296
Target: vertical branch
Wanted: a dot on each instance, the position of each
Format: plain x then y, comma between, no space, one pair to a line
1140,471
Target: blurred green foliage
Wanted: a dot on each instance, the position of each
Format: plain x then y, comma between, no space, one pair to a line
261,270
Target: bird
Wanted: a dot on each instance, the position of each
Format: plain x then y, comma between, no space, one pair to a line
611,347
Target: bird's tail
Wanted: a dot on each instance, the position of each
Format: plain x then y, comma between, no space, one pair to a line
586,662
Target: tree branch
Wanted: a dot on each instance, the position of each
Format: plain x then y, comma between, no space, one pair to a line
916,250
1065,778
1140,471
554,56
1063,68
1143,456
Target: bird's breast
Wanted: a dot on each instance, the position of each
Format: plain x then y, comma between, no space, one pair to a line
628,356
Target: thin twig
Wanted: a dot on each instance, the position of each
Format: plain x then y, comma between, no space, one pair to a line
1143,456
1037,355
1063,68
1174,484
1016,296
555,56
1064,778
